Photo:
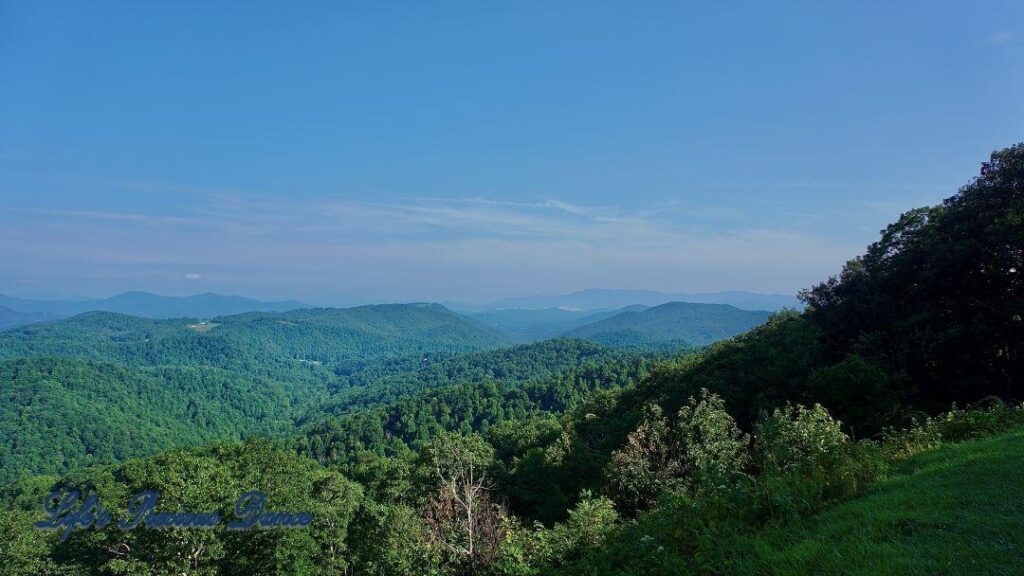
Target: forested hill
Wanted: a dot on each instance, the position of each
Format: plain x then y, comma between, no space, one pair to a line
101,387
694,324
72,389
58,414
342,339
517,366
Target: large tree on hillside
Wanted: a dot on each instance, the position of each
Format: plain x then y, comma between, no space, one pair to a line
940,297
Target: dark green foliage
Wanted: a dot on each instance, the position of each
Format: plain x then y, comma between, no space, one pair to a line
527,364
57,414
940,297
102,387
753,372
933,313
476,406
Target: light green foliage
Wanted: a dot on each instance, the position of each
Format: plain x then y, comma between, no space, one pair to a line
391,540
646,466
797,437
802,453
23,549
984,419
589,523
989,417
703,449
711,446
102,387
530,551
465,527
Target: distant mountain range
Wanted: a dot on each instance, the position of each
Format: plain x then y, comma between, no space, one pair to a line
522,325
604,299
143,304
517,320
10,317
681,322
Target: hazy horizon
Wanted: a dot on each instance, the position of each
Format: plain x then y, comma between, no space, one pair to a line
463,152
369,301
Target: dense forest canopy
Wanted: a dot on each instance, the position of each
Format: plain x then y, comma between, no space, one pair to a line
75,389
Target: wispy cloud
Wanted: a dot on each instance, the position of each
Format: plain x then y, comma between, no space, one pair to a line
1001,38
417,247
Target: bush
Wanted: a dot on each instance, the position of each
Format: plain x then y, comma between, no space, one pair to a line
588,525
525,552
805,460
986,418
703,450
798,438
711,446
920,436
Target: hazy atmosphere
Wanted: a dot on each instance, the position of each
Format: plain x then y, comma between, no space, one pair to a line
488,153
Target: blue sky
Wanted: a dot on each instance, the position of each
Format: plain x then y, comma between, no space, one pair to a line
363,151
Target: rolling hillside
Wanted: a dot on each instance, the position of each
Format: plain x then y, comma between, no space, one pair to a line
101,387
326,336
683,322
956,510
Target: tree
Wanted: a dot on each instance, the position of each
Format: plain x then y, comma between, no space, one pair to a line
940,296
645,466
463,521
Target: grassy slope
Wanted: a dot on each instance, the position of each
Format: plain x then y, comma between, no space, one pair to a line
956,510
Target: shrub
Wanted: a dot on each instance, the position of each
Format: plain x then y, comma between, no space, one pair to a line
702,450
986,418
920,436
710,445
588,525
805,460
796,437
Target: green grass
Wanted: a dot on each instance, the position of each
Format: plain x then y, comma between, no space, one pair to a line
955,510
